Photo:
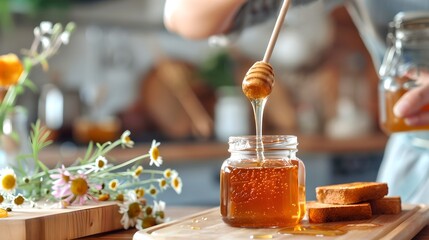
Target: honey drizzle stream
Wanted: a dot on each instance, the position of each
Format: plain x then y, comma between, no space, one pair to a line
258,106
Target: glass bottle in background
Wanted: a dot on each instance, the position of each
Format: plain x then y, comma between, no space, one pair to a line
408,51
268,193
231,102
15,141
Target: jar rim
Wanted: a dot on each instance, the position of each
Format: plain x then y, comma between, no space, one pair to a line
270,142
264,137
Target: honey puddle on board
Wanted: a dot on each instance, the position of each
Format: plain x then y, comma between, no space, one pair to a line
327,230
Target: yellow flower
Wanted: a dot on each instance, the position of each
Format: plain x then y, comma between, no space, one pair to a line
168,173
126,140
113,185
100,163
120,197
7,180
176,183
138,171
153,191
162,184
104,197
154,154
130,210
18,200
140,192
3,213
146,222
79,186
10,70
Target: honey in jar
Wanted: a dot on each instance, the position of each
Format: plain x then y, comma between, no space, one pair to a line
268,192
408,52
389,122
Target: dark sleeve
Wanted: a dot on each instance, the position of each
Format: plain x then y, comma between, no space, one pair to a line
257,11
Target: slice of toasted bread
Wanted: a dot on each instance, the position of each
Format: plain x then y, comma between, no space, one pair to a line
386,205
349,193
323,212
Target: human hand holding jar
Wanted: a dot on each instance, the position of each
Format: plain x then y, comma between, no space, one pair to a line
404,85
413,106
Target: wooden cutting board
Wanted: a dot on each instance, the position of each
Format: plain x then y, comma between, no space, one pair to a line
57,224
209,225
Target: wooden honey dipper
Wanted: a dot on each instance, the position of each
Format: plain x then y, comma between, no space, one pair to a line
259,79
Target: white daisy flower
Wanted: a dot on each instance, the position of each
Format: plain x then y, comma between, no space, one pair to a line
162,183
177,184
113,185
168,173
18,200
138,172
126,140
154,154
8,180
159,210
130,210
100,163
153,191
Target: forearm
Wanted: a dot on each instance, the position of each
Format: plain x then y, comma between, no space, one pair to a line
196,19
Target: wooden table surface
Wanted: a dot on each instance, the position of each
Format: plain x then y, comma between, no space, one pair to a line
178,212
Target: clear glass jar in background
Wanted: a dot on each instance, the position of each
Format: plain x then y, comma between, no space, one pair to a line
15,142
262,193
408,51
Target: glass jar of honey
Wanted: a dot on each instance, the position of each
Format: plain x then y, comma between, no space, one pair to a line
407,55
262,186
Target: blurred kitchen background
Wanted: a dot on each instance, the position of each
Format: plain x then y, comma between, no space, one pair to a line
122,70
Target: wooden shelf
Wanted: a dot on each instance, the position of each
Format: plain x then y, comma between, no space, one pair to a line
192,151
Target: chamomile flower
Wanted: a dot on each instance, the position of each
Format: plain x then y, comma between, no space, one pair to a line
154,154
130,210
3,213
139,192
61,183
79,190
176,183
26,180
167,173
120,197
146,222
100,163
18,200
62,177
113,184
153,191
162,183
137,172
7,180
159,210
126,140
103,197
